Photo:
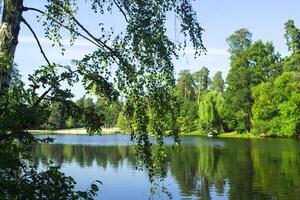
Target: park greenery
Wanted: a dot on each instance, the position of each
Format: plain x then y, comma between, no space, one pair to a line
261,94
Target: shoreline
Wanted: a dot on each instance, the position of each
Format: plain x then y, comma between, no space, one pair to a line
74,131
112,131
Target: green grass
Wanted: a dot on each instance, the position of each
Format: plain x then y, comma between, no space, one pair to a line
223,135
239,135
193,133
82,131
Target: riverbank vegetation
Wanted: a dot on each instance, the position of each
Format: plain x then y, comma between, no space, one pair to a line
259,97
261,94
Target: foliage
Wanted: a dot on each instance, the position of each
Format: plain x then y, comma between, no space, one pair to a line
218,83
276,108
262,58
55,120
20,181
15,76
202,82
292,36
185,97
251,64
201,79
70,123
122,122
239,41
188,115
211,112
110,111
185,86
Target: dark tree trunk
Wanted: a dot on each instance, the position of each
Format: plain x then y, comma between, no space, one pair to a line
9,32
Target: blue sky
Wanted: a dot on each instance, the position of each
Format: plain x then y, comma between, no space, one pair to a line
219,18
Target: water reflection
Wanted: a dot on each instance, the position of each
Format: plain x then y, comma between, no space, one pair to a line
203,169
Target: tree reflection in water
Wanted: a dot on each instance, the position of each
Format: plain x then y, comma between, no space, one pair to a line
236,169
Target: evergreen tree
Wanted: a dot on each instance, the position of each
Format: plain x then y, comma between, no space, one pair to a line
185,87
202,81
292,36
251,64
238,93
187,108
218,83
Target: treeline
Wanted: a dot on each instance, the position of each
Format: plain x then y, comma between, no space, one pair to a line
109,111
261,93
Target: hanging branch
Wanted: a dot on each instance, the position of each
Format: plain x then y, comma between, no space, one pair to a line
37,40
97,42
49,89
62,25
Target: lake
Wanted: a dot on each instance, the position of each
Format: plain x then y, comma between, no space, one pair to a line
205,168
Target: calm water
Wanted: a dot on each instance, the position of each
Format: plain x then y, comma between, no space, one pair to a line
205,168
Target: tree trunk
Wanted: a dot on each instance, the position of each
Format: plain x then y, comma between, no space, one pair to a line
9,32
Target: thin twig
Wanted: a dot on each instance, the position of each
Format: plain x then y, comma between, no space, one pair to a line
94,40
121,10
37,40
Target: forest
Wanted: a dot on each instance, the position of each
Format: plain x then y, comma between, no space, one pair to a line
260,95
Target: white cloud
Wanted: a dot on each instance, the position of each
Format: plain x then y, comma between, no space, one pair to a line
45,41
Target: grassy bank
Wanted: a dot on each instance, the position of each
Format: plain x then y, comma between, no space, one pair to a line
224,135
75,131
107,131
238,135
193,133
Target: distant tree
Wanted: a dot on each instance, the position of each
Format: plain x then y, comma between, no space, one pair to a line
239,41
211,112
292,36
218,83
88,103
70,123
262,59
291,63
202,81
55,120
188,114
251,64
15,76
110,110
187,108
276,109
185,87
238,93
122,122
